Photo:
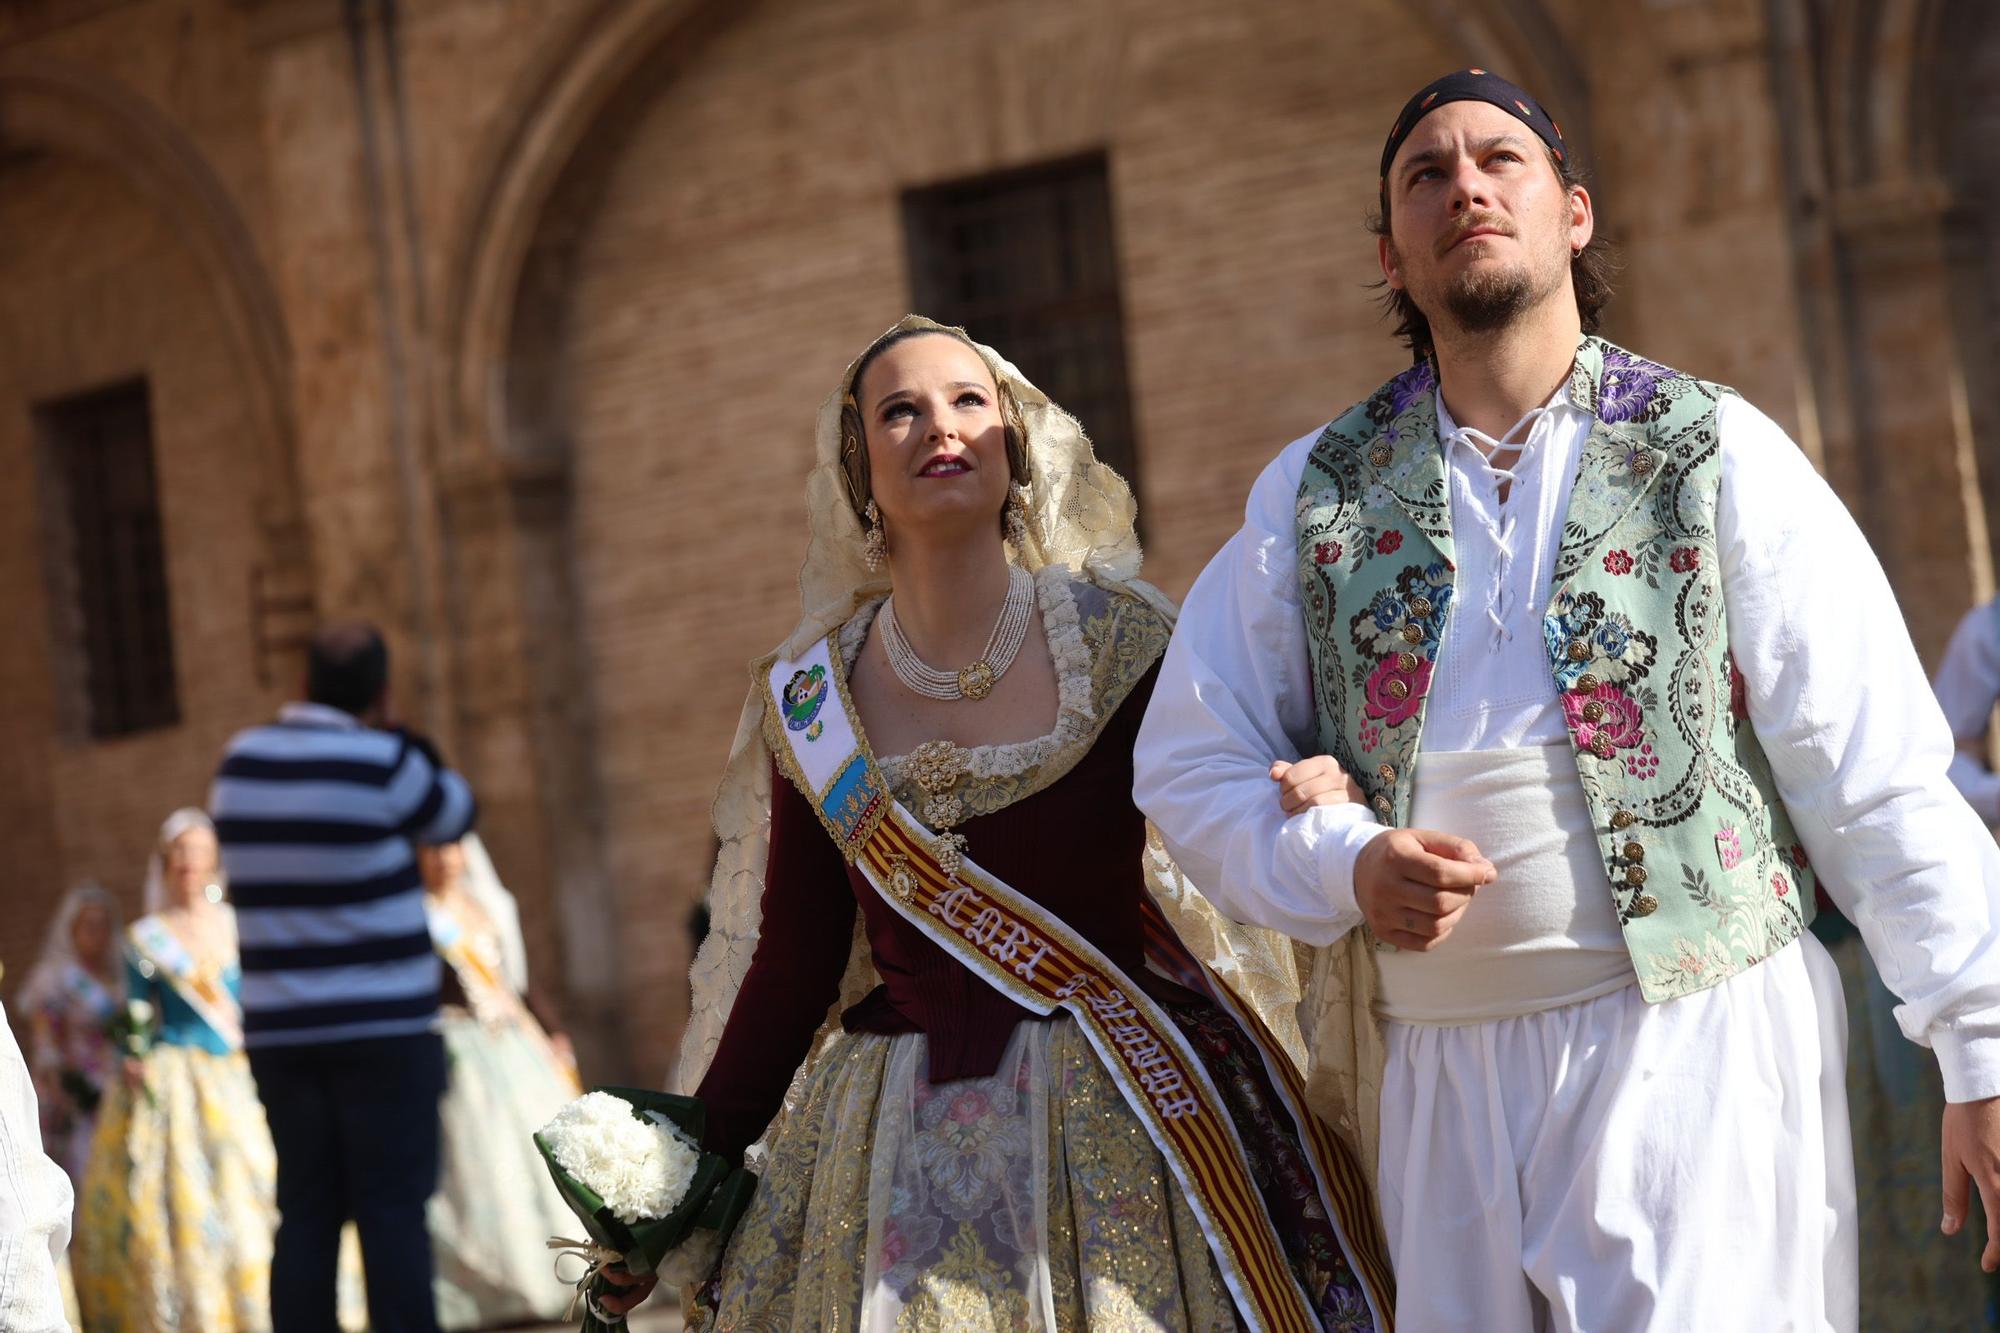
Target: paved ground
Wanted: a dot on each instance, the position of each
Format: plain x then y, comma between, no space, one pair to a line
648,1320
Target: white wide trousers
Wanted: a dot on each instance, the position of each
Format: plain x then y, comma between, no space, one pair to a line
1618,1167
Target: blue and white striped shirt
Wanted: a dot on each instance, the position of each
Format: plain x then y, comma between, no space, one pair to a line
317,815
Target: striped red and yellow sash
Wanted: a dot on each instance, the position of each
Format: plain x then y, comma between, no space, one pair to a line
1030,955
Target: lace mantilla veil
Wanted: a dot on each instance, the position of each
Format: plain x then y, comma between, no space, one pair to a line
1081,515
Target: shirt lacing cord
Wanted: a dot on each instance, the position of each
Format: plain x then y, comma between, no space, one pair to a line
1540,422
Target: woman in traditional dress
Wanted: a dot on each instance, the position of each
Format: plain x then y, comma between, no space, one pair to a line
1018,1121
496,1207
176,1214
70,1001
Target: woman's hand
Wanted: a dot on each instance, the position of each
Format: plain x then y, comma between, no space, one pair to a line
1319,780
637,1289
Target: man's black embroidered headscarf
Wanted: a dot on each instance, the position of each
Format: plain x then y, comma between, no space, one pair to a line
1475,85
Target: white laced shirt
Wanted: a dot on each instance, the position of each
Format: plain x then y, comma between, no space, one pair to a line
1836,694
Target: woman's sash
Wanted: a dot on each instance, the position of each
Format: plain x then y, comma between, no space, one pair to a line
1032,957
160,949
486,990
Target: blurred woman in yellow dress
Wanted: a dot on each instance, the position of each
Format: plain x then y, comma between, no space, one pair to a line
177,1211
495,1208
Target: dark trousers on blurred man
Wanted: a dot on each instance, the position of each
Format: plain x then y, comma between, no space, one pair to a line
356,1128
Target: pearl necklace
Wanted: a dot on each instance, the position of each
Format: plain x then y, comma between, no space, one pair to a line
976,680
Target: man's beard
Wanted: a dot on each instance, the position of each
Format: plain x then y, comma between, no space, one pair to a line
1489,300
1484,302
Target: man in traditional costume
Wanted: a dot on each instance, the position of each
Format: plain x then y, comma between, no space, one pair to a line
1621,682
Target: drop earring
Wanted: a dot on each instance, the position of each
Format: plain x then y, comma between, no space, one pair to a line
1017,519
875,546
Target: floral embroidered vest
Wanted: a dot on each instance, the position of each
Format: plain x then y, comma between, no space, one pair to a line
1698,851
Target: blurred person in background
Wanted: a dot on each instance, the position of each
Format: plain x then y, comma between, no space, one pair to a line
510,1072
175,1217
318,813
70,1001
1968,687
35,1200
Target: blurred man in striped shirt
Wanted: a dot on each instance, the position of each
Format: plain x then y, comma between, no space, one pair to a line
319,814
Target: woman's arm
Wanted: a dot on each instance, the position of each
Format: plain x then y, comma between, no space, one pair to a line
794,976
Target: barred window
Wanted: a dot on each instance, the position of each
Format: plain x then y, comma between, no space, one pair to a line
1026,262
107,568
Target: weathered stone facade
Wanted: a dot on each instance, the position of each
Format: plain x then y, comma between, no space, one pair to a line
503,322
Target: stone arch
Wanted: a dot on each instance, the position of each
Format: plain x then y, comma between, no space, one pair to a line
49,105
1868,106
212,340
563,99
504,468
1954,138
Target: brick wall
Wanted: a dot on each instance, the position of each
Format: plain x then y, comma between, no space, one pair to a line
580,529
95,288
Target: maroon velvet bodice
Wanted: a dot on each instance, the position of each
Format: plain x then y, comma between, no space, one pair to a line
1075,846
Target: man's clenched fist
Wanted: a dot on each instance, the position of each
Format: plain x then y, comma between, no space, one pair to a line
1414,884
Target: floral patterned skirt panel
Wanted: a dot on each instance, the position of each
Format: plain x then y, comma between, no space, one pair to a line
175,1218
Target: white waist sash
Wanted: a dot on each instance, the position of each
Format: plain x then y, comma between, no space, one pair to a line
1545,932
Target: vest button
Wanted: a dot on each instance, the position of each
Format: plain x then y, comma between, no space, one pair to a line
1406,662
1645,905
1579,651
1593,711
1587,683
1602,747
1381,455
1383,807
1387,772
1641,464
1420,606
1397,689
1623,819
1413,633
1635,875
1634,852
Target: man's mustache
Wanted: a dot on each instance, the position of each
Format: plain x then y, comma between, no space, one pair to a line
1468,222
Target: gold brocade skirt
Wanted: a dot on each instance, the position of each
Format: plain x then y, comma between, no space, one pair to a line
1030,1199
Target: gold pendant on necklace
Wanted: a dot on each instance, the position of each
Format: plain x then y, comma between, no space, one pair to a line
976,681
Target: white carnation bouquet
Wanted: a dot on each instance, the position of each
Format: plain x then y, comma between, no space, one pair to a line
630,1165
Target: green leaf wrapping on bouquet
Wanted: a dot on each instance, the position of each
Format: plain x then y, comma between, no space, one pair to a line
716,1198
728,1202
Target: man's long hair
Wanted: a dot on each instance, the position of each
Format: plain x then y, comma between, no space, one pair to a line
1590,274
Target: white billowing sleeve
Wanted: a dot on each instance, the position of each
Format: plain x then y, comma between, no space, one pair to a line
1859,747
1233,696
35,1203
1968,684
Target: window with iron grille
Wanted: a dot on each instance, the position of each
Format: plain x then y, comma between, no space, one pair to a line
1026,262
107,568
